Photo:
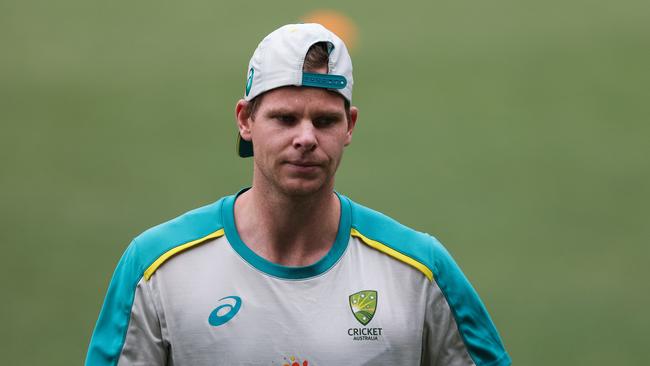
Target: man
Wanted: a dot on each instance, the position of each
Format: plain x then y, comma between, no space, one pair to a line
289,272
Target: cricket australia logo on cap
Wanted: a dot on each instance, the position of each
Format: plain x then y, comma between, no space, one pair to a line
249,82
364,306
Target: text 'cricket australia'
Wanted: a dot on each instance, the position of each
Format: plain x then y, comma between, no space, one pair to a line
364,334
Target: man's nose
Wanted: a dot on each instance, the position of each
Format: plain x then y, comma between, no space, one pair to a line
305,138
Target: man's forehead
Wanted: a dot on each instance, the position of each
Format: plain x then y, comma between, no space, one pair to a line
299,97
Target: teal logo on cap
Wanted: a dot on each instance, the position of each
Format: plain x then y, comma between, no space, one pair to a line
249,83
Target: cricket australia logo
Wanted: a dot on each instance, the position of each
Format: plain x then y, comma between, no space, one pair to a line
364,305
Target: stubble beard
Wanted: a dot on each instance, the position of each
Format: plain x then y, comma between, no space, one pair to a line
292,187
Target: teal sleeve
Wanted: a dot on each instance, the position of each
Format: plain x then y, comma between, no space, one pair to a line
110,331
476,329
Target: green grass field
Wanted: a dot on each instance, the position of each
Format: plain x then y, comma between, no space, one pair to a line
517,133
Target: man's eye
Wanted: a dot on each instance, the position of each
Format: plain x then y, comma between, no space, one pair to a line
285,118
325,121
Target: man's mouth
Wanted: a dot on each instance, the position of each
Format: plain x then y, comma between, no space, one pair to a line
304,163
304,166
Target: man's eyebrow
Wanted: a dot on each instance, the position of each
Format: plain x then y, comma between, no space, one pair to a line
279,111
318,112
328,114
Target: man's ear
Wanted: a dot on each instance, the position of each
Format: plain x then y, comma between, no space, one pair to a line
243,119
354,113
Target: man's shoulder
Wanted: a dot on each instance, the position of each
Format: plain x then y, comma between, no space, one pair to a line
386,234
157,244
191,225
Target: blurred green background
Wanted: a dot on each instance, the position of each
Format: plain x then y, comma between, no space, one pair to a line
516,132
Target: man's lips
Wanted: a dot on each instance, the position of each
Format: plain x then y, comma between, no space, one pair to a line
305,164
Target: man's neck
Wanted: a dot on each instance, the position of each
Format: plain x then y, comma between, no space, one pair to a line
288,230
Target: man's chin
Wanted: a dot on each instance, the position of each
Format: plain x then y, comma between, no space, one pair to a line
303,187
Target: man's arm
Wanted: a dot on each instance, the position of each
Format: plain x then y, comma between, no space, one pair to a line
128,330
458,330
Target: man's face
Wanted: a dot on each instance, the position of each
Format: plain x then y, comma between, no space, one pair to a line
298,138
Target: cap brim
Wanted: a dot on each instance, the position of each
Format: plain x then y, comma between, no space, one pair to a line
244,148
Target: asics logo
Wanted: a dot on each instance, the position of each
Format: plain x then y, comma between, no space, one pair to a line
223,313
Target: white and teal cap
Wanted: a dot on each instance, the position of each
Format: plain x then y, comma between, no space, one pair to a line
278,61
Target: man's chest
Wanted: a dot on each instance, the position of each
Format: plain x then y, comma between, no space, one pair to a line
355,314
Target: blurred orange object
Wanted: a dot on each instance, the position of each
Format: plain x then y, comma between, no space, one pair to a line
337,22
